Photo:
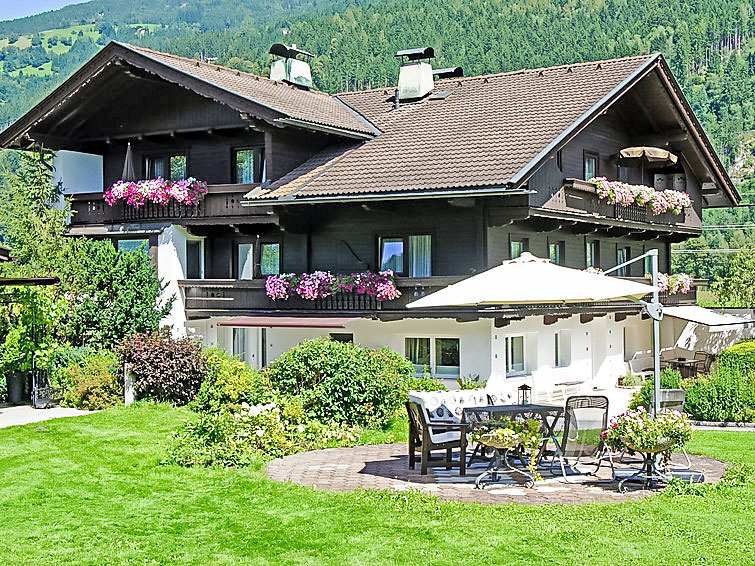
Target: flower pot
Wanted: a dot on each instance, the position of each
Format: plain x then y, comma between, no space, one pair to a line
662,445
493,441
15,386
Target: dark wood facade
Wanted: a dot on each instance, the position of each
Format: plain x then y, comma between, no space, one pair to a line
468,234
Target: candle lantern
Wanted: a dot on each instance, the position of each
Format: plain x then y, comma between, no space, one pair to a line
524,394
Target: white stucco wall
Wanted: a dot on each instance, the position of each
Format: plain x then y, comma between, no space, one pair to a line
595,350
171,266
79,172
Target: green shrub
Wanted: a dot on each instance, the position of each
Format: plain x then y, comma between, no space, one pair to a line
471,381
229,383
343,382
63,359
253,434
425,383
165,369
95,382
670,379
739,358
725,395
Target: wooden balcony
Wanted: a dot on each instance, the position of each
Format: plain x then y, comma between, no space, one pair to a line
231,297
221,204
577,198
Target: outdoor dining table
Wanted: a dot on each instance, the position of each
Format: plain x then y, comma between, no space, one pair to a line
687,367
548,415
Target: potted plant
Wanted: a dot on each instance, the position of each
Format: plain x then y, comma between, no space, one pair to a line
510,435
638,431
15,364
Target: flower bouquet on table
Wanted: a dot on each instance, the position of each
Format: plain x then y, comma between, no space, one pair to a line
638,431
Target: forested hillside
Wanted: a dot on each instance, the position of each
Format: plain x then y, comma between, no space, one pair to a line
710,45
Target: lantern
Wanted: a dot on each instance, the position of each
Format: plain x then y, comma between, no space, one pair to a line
524,394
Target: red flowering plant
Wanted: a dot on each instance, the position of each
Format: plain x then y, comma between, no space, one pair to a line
321,284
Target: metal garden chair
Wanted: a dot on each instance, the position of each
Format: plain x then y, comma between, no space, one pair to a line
585,418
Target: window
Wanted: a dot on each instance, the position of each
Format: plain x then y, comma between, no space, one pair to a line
135,245
263,347
559,160
171,167
410,256
556,252
240,343
623,174
193,259
417,351
345,337
250,165
591,165
245,261
518,246
270,263
447,357
622,256
562,348
439,355
592,253
515,355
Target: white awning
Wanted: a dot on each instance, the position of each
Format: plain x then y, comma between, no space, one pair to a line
717,321
533,280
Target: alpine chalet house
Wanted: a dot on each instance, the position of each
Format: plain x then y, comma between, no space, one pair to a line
437,179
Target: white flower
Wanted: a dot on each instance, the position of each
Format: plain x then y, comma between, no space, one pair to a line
300,428
259,432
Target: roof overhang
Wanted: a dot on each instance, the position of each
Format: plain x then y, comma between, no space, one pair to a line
385,196
655,63
288,322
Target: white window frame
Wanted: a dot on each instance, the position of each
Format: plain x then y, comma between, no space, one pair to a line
507,340
433,351
244,354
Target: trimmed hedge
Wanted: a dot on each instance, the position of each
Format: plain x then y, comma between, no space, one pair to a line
343,382
229,383
725,395
739,358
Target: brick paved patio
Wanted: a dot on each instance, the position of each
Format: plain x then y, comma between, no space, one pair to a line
385,466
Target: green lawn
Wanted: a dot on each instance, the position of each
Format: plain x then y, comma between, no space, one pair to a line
91,490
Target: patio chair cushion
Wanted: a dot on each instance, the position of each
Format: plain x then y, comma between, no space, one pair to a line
443,437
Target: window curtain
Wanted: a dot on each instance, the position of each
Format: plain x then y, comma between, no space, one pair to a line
240,342
258,164
417,351
246,261
420,256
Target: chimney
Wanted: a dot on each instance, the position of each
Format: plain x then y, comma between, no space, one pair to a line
415,80
289,69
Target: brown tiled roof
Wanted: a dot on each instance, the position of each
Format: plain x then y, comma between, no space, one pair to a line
307,105
485,131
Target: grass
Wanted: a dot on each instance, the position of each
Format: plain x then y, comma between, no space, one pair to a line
91,490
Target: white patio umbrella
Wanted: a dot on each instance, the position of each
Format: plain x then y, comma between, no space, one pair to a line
532,280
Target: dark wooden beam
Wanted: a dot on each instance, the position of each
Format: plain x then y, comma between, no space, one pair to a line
471,318
620,316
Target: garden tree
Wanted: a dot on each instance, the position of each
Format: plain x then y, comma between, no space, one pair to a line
112,294
738,289
31,218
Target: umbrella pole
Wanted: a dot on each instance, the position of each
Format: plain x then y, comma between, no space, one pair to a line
656,337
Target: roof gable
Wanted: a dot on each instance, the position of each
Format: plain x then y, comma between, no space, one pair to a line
263,98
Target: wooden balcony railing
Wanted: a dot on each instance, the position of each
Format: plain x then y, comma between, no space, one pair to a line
229,297
221,201
577,196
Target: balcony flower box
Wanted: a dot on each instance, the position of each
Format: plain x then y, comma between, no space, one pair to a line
159,191
624,194
322,284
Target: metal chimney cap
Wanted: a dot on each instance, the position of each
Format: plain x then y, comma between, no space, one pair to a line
288,52
448,72
417,53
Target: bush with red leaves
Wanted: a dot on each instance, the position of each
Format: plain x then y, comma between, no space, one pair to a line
165,369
